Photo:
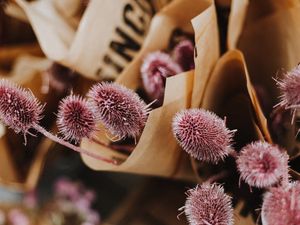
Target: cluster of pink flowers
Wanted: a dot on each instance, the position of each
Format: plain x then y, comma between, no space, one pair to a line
70,200
120,109
204,136
74,199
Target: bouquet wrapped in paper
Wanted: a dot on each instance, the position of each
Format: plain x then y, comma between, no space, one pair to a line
156,151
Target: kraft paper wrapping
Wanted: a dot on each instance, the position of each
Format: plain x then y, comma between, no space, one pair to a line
157,152
207,49
230,95
107,38
71,10
267,32
23,176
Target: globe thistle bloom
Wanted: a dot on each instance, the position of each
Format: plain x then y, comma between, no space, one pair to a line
261,164
208,204
289,87
281,205
157,66
76,119
19,108
183,54
120,109
202,134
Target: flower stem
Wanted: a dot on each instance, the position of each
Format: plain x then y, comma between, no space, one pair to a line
71,146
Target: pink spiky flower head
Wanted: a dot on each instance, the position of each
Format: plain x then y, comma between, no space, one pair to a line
157,66
19,108
202,134
289,87
120,109
208,204
261,164
183,54
75,118
281,205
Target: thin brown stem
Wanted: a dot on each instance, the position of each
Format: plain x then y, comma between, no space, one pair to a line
70,146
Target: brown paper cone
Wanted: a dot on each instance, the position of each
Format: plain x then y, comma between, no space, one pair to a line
153,154
259,29
107,38
229,94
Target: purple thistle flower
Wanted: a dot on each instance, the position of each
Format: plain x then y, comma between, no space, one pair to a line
281,205
183,54
262,165
289,87
207,204
202,134
157,66
120,109
76,119
19,108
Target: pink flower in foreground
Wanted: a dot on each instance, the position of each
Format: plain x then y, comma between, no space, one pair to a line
289,87
120,109
183,54
261,164
76,119
202,134
19,108
207,204
157,66
281,205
